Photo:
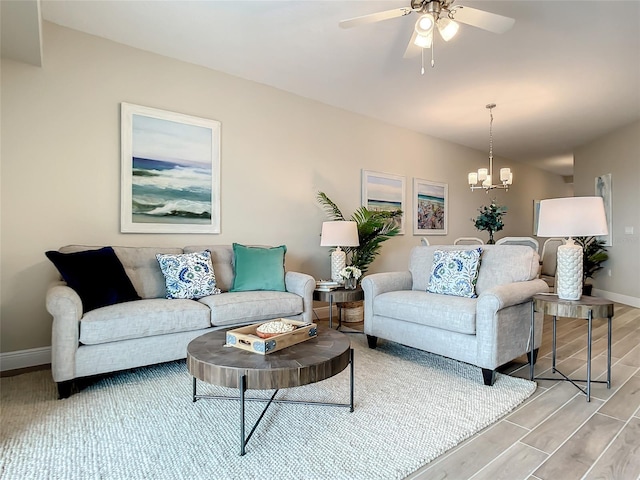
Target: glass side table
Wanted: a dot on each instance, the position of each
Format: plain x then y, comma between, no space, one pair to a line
586,308
338,295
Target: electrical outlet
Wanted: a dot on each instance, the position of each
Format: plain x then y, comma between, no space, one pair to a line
628,230
609,272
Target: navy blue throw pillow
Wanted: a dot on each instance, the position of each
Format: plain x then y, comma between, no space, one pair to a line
97,276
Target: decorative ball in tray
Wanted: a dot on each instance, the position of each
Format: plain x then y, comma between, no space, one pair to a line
271,329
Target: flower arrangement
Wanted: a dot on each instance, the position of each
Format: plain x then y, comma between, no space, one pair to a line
350,272
490,219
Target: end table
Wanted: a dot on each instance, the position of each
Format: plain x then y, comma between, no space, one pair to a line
338,295
586,308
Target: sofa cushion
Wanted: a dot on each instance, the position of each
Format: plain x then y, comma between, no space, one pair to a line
140,264
457,314
143,318
455,272
248,307
222,261
501,264
97,276
258,268
188,275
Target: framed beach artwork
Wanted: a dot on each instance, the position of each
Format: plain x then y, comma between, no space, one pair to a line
603,189
430,207
384,191
170,172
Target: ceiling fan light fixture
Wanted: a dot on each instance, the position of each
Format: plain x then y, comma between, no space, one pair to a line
447,28
424,25
424,41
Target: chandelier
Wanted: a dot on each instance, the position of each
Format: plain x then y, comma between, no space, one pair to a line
485,176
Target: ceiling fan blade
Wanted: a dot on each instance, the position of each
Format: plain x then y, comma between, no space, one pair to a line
412,49
375,17
481,19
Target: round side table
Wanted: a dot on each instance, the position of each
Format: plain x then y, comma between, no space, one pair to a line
586,308
338,295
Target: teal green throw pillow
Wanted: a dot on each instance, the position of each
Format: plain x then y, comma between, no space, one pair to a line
258,268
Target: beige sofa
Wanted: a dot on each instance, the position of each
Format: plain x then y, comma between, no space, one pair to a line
487,331
155,329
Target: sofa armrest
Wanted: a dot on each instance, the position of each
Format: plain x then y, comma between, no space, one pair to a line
503,296
503,322
378,283
303,285
66,307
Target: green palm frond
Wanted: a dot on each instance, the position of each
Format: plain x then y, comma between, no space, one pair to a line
330,208
374,228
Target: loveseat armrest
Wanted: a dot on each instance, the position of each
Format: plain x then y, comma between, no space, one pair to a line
379,283
503,296
66,307
503,322
303,285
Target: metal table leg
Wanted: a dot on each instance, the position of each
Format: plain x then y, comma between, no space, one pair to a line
553,345
589,339
609,353
532,340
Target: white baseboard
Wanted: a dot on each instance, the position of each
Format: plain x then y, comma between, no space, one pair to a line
25,358
616,297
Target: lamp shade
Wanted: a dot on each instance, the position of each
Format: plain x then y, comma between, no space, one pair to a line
339,233
572,217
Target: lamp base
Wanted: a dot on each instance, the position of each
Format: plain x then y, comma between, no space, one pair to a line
338,262
569,261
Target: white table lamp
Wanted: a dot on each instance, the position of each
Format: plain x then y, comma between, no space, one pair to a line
571,217
338,234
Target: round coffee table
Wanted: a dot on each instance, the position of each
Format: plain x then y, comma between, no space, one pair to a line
322,357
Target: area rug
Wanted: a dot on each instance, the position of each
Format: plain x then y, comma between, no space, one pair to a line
410,407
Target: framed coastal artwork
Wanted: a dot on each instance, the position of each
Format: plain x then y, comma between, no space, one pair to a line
170,178
603,189
430,207
384,191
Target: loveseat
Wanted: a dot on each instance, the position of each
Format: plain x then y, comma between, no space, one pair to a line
488,330
150,328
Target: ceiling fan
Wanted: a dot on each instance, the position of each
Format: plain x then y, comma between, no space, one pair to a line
440,15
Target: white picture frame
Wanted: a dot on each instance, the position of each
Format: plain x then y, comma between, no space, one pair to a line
603,189
170,172
430,207
386,192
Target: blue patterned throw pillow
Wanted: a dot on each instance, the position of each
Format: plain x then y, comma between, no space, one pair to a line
455,272
188,275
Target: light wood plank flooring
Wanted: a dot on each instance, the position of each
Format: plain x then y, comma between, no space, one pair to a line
556,434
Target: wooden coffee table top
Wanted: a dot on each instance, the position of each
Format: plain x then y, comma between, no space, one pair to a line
311,361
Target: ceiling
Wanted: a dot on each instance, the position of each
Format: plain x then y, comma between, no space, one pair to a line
567,73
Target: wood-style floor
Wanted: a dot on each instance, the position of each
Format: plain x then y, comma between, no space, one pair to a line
556,434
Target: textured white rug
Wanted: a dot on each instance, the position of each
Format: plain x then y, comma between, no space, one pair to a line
410,407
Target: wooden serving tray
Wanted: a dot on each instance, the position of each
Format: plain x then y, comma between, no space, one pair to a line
246,338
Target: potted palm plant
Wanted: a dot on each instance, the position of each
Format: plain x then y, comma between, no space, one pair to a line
374,228
594,254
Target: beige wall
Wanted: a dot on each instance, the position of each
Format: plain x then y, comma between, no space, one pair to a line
618,154
61,166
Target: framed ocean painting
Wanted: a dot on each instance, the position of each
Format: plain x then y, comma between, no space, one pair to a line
430,207
384,191
170,172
